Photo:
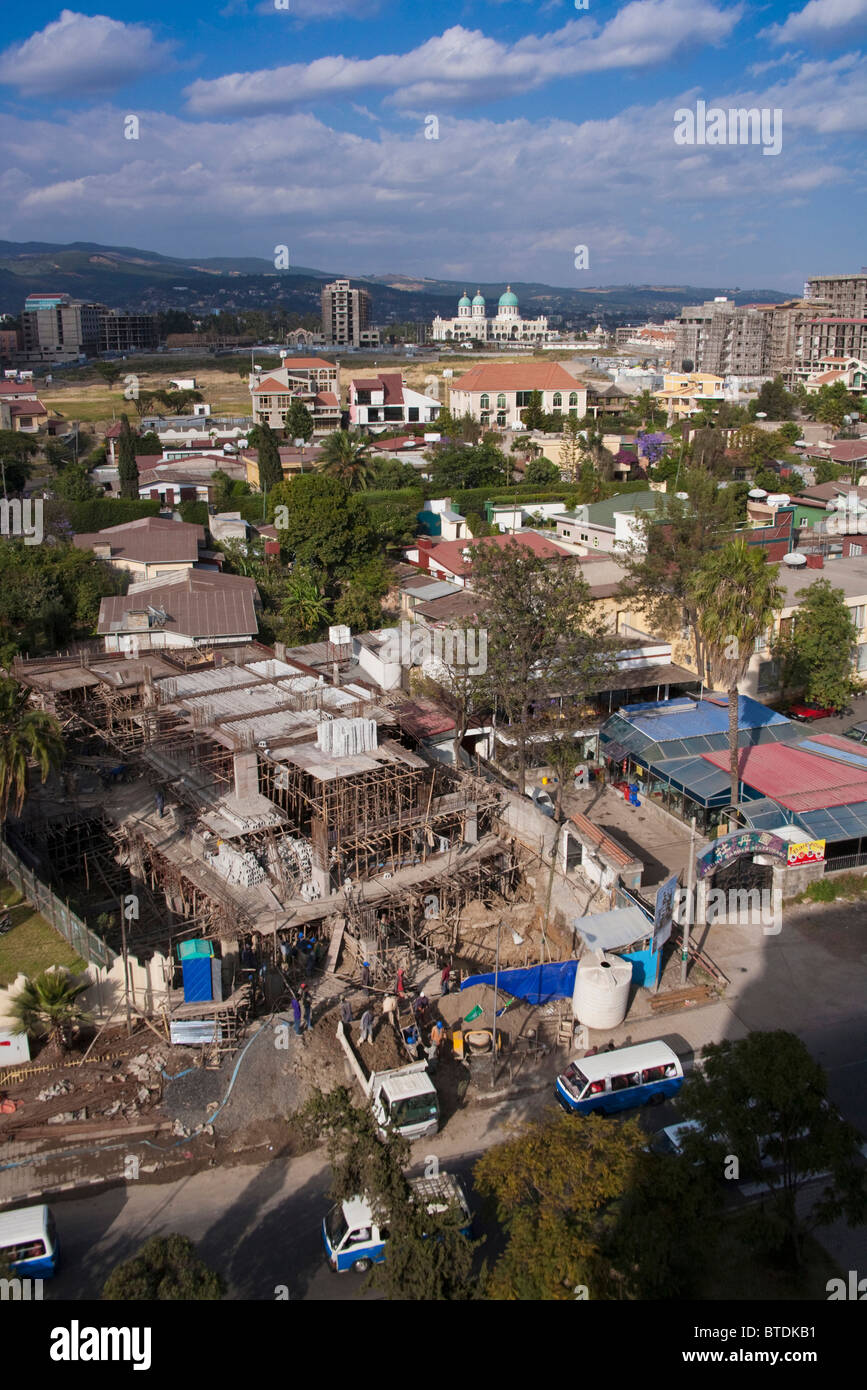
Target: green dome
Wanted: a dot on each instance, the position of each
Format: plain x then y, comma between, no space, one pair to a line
508,299
464,301
479,298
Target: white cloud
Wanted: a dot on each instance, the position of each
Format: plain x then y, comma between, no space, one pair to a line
543,186
80,54
821,21
463,65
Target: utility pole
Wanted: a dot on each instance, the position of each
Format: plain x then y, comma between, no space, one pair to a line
690,888
125,967
496,983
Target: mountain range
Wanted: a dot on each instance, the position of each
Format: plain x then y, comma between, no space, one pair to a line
125,277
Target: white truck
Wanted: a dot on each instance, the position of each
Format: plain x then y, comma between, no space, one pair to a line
404,1097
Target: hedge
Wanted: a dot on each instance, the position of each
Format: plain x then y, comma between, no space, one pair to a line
99,513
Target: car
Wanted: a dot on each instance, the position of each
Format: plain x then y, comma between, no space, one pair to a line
807,712
858,733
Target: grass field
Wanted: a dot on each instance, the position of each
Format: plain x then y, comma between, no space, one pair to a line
95,403
32,944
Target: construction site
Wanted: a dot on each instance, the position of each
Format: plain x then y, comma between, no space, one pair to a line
250,801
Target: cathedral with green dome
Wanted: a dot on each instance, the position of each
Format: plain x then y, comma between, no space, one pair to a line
473,323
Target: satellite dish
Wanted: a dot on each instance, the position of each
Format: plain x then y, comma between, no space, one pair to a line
758,494
159,615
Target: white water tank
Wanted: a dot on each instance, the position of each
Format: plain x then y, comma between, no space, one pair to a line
601,992
795,559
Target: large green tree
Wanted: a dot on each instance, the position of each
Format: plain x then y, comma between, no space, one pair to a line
545,638
16,453
816,652
321,524
553,1186
773,401
669,543
270,467
166,1269
763,1100
298,423
737,597
50,594
127,468
26,736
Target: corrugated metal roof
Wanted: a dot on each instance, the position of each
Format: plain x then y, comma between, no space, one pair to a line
843,750
604,844
685,719
796,779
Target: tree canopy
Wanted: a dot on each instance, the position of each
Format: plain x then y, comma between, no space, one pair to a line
166,1269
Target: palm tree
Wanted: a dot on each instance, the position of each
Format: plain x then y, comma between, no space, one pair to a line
25,735
304,605
737,596
47,1006
346,456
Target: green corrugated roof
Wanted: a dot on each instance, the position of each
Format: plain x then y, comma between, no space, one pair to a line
602,513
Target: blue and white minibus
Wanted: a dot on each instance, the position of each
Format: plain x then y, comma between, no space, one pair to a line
28,1242
642,1075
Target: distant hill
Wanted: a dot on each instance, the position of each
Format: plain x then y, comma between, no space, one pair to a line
125,277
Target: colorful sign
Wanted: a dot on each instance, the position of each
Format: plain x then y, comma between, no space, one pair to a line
738,846
664,913
809,852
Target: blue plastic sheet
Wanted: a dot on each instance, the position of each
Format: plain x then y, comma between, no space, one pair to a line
537,984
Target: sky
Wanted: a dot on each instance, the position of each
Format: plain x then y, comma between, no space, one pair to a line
480,140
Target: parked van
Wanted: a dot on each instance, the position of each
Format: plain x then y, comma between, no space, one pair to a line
28,1242
643,1075
353,1237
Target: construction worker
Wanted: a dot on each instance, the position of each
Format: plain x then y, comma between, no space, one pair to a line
367,1026
445,976
365,974
307,1006
346,1012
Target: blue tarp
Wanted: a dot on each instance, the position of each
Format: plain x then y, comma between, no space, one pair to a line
535,983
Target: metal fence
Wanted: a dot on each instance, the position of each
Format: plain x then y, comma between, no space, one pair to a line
88,945
846,861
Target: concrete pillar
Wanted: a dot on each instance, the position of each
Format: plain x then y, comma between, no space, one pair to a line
471,825
246,776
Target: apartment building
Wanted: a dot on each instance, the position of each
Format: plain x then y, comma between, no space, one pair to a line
845,295
310,380
378,401
56,328
346,316
722,337
684,394
495,393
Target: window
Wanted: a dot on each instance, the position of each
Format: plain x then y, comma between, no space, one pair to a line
862,657
558,400
573,414
485,401
501,417
854,549
858,615
522,398
573,397
584,536
769,675
761,642
412,413
501,401
622,1083
485,417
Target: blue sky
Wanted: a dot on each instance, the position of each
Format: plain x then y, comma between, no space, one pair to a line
305,126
